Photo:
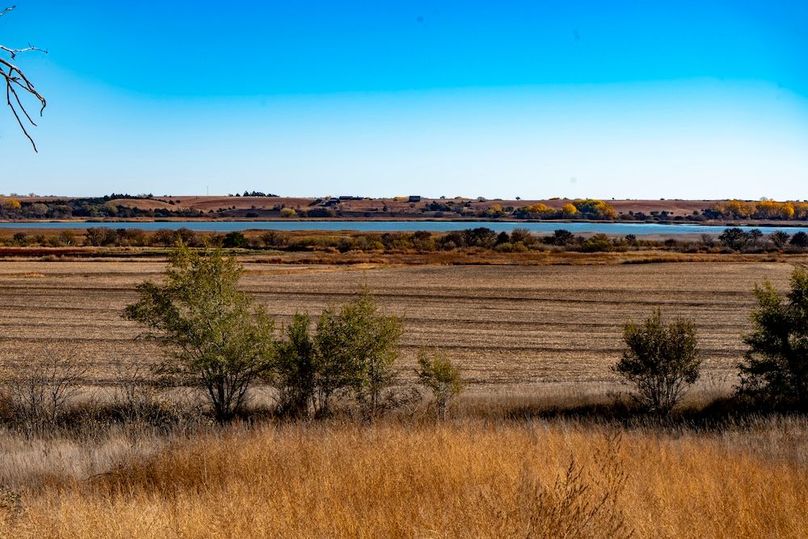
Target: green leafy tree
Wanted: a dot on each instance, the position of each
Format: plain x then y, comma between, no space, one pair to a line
295,372
213,334
661,360
775,366
441,377
356,349
235,239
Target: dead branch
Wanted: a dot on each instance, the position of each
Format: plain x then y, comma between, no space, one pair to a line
17,82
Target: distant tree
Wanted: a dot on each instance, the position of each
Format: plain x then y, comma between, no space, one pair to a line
65,238
569,210
441,377
775,366
597,243
661,361
235,239
522,235
480,237
707,241
562,237
17,83
271,238
100,237
213,334
779,238
734,238
11,204
19,239
800,240
755,236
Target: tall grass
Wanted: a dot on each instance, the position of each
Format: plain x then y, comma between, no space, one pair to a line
472,477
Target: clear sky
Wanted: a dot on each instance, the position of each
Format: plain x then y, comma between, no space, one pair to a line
540,98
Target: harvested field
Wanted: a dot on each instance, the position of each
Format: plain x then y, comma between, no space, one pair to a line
506,325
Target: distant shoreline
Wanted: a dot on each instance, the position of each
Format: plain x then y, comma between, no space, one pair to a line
712,223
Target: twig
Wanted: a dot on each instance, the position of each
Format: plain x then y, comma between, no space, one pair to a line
15,79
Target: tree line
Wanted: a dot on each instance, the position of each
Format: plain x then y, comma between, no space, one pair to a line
518,240
218,338
215,337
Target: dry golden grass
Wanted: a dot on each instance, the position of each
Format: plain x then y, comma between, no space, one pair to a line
470,478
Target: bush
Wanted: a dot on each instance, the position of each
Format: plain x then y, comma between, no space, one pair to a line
779,239
522,235
480,237
295,372
19,239
164,237
440,376
800,240
734,238
213,335
40,390
356,349
271,238
235,240
775,367
597,243
561,238
661,361
100,237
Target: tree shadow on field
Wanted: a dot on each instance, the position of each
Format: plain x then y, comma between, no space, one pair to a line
716,414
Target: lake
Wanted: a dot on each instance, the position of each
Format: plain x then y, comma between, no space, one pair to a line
618,229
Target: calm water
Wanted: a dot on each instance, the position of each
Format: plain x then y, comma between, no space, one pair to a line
639,229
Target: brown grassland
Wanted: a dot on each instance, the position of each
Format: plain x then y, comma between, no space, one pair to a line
463,479
528,335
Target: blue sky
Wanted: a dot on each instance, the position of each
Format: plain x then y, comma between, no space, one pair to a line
532,98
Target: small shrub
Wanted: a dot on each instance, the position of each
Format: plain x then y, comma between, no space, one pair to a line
661,361
779,239
438,374
597,243
39,391
235,240
295,371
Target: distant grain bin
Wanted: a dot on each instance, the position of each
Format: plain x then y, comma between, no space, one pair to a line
415,198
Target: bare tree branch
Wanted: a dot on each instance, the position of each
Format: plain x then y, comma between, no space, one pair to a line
16,80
